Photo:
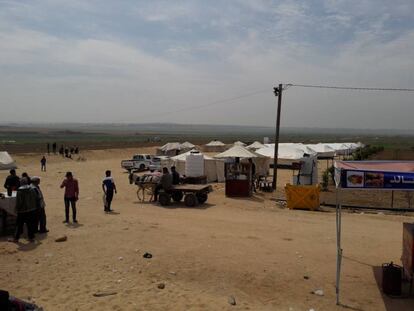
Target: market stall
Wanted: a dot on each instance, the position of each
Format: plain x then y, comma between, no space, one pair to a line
238,179
369,175
238,169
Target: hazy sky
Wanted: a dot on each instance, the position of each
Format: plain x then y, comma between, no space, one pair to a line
148,61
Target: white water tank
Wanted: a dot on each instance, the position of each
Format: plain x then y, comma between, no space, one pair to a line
194,165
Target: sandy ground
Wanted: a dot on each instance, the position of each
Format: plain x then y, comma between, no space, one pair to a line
250,249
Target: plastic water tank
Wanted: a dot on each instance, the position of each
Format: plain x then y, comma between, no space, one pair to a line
194,165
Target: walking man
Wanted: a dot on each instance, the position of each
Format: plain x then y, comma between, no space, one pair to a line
26,210
41,216
108,187
71,195
43,164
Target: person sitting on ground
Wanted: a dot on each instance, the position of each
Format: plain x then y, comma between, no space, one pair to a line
165,183
108,187
41,217
26,208
12,182
175,176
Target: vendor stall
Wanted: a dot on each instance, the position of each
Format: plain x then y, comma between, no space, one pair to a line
238,179
238,170
368,175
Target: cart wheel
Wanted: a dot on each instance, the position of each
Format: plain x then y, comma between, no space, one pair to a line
164,198
142,167
177,196
202,197
190,200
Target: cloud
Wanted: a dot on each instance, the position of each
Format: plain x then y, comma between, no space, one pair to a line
96,61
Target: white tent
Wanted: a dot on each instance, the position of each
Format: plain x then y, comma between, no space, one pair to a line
213,168
214,146
256,145
6,161
215,143
239,143
172,149
262,162
170,146
237,152
187,145
322,150
286,154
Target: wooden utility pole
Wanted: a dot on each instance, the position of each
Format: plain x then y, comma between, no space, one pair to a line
278,94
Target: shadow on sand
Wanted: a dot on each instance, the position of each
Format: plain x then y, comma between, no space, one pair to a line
74,225
174,205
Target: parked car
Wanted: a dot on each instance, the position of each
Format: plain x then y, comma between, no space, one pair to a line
139,162
157,163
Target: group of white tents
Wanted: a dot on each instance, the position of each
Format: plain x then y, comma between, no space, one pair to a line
261,154
295,151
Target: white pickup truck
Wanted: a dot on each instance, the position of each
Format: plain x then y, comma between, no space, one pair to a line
139,162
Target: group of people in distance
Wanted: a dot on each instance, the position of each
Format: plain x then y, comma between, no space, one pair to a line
64,151
30,203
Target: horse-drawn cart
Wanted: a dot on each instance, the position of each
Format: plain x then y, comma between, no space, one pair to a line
192,194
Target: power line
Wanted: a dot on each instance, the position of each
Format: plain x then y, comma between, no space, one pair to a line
350,88
214,103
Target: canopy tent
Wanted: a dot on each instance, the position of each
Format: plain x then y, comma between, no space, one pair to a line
237,152
322,150
360,175
172,149
239,143
294,153
256,145
214,146
187,145
287,154
340,148
6,161
262,162
213,168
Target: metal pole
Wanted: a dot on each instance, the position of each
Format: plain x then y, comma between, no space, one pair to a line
337,248
392,198
278,93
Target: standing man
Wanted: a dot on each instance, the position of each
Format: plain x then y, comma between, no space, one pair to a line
175,176
54,148
12,182
43,164
253,170
41,217
48,148
108,187
71,195
26,209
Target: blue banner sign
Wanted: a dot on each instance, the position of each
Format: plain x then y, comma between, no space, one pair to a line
377,180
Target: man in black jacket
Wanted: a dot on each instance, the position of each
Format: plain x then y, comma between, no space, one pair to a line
12,182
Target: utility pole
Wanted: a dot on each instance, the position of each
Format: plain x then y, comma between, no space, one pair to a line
278,94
